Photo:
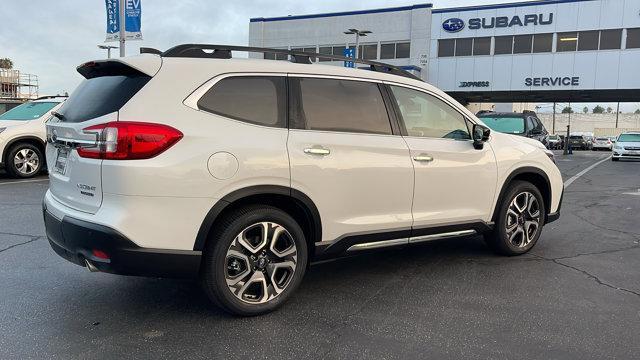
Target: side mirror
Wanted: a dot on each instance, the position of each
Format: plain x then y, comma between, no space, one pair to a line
480,135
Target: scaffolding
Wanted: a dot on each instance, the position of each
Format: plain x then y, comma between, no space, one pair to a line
15,85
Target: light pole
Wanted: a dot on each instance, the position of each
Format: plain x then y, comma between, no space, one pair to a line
358,33
108,48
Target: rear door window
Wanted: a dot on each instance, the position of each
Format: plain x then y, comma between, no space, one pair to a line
258,100
101,95
341,105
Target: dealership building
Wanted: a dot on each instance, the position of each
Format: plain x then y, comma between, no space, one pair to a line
534,51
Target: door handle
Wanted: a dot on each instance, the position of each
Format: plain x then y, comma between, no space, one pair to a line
317,151
423,158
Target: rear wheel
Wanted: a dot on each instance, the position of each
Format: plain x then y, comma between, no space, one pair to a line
519,221
24,160
254,261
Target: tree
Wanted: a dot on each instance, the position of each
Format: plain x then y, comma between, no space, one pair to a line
6,63
567,110
609,109
637,111
585,110
598,109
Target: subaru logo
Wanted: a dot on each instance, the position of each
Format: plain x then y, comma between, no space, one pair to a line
453,25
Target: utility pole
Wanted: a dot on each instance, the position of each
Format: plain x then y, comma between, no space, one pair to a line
566,139
358,33
123,26
617,114
553,123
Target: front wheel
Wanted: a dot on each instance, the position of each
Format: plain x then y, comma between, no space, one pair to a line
519,221
254,261
24,160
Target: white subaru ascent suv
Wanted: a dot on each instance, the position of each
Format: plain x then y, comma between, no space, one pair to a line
240,172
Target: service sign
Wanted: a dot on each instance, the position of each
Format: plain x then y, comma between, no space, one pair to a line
133,22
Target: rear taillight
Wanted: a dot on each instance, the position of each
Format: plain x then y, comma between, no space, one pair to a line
128,140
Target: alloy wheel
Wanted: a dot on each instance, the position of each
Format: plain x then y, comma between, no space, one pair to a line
26,161
260,262
523,219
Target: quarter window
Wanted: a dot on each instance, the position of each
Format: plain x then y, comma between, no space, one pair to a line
254,99
342,105
424,115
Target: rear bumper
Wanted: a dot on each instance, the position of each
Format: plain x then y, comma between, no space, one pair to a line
75,240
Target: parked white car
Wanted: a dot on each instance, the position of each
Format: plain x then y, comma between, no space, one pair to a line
243,171
602,143
627,146
23,136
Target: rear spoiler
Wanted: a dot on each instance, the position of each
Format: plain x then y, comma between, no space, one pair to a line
141,65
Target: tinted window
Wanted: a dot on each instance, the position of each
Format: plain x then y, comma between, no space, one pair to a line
387,51
633,38
482,46
424,115
508,125
403,50
522,44
567,41
343,105
610,39
100,96
588,40
542,43
503,45
446,47
28,111
258,100
464,47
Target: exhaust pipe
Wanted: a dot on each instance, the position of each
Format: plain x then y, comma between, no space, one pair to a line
90,266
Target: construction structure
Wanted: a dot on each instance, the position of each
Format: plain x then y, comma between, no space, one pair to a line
16,87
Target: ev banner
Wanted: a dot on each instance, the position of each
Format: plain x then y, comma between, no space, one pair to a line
133,22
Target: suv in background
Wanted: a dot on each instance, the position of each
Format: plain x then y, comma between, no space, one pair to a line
579,142
191,163
627,146
23,136
554,142
525,124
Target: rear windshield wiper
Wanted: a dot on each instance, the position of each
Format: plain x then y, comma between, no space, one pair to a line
58,115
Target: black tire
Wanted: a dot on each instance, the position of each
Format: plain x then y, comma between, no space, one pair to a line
14,171
498,238
614,159
214,271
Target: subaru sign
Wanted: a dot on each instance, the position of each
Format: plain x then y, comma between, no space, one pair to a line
453,25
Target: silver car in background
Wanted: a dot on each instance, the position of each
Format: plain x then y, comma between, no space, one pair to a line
627,146
602,143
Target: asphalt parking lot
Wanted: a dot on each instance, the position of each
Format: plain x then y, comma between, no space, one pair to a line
576,295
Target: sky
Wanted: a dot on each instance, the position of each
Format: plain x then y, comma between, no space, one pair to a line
50,38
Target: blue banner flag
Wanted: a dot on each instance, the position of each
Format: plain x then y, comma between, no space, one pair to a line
133,22
350,53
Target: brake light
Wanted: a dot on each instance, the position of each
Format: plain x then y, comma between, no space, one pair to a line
128,140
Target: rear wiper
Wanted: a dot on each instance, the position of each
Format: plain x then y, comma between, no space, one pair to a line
58,115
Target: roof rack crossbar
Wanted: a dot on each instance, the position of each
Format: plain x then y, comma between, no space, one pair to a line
212,51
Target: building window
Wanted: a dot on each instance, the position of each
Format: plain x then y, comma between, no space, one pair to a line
567,41
446,47
338,50
464,47
633,38
588,40
367,51
522,44
403,50
610,39
482,46
387,51
503,45
324,50
542,43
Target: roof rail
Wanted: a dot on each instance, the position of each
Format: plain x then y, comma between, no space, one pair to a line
224,52
50,97
148,50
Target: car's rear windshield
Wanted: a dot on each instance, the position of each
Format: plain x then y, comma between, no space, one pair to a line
509,125
101,95
28,111
602,139
629,138
553,137
576,137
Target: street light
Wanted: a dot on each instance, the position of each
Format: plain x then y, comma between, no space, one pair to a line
358,33
108,48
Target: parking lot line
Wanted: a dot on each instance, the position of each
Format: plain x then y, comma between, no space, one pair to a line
23,181
578,175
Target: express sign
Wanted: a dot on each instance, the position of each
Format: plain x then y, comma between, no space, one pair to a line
456,24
